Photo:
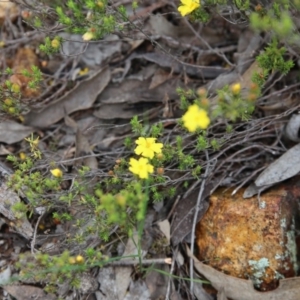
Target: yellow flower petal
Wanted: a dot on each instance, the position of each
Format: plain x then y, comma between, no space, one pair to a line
139,149
236,88
55,43
195,118
140,167
83,71
150,168
157,147
147,147
72,260
188,6
22,156
143,174
148,152
183,10
36,141
88,36
133,165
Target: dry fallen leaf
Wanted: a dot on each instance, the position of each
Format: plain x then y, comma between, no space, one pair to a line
199,291
123,274
285,167
8,198
159,77
184,214
244,77
115,281
93,54
137,91
119,100
5,275
27,292
242,289
12,132
83,147
173,65
164,227
292,128
138,290
81,97
157,281
109,286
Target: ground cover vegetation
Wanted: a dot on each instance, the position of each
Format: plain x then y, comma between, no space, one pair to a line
110,196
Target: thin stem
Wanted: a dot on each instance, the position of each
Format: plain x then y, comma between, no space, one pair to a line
201,191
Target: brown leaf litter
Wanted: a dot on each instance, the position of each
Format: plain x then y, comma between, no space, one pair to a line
139,77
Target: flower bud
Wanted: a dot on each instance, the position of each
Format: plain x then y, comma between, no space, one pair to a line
88,36
205,102
12,110
8,102
44,63
159,156
55,43
72,260
121,200
236,88
79,259
15,88
22,156
202,92
160,171
56,172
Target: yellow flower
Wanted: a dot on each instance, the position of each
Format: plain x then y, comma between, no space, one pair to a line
88,36
8,102
35,142
72,260
147,147
188,6
83,71
140,167
55,43
121,200
12,110
56,172
236,88
22,156
15,88
79,259
100,4
195,118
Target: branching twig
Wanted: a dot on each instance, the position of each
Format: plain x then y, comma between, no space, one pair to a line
32,244
201,191
170,277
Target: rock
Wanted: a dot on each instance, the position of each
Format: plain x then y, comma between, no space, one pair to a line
240,239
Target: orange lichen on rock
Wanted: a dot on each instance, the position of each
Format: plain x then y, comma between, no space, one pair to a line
240,239
24,60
